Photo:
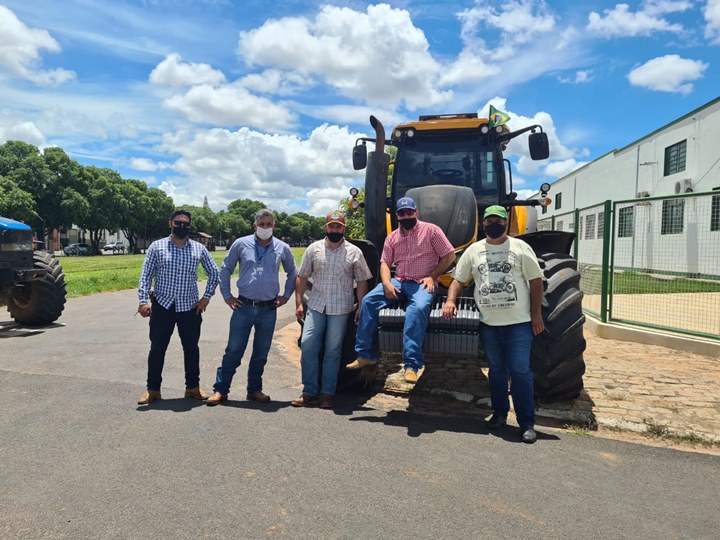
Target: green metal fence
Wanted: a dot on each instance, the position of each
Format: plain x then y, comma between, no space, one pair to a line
652,262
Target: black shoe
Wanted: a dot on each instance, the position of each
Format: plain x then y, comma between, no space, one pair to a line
496,421
528,435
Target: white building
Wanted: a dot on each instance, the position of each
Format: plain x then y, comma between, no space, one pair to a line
676,234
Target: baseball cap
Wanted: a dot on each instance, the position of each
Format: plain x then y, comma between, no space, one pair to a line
405,203
336,216
495,210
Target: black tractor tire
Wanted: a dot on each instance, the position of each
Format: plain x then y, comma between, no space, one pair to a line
348,380
39,302
557,353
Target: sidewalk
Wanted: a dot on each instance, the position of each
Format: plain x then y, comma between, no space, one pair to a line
629,386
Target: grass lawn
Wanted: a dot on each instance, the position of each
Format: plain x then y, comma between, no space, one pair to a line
89,275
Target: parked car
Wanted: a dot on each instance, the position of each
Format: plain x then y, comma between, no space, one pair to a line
77,249
115,247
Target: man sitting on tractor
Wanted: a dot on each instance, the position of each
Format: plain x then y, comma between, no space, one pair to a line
421,253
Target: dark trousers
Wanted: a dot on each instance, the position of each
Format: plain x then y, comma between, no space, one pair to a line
162,325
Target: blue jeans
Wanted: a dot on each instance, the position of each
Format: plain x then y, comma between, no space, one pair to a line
162,325
508,352
417,315
320,329
242,321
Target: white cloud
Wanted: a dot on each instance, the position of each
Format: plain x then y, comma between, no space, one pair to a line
498,47
20,48
378,56
468,68
227,165
145,164
231,105
558,169
581,77
174,72
621,22
669,73
274,81
20,131
712,19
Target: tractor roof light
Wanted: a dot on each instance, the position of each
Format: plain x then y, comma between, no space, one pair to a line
410,132
397,133
354,192
484,129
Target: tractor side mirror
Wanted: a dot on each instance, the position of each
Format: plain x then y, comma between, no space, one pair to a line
359,156
539,146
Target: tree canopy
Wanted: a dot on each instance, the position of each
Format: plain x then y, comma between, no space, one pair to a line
49,190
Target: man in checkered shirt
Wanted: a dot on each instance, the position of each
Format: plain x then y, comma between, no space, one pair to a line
421,253
333,264
173,263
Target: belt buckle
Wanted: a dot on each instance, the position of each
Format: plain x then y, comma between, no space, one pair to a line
256,303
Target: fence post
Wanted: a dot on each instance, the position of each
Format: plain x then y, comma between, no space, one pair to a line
577,233
606,270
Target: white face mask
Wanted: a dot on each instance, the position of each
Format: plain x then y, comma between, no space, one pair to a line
264,234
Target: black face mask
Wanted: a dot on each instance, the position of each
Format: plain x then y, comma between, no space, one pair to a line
180,232
494,230
407,224
334,237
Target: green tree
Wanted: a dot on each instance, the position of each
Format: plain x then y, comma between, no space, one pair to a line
106,205
16,203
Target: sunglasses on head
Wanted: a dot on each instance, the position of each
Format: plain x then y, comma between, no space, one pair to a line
405,212
185,224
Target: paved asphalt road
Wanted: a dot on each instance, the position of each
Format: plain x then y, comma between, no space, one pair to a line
79,459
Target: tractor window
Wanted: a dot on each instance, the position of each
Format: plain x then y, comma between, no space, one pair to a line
454,159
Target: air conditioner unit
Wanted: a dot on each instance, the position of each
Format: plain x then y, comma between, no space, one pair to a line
687,186
641,194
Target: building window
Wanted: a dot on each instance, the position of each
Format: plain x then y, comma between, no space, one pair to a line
626,222
558,201
601,224
715,213
559,225
589,226
675,158
673,216
544,209
580,227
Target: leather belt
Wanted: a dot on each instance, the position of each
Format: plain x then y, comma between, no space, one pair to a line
258,303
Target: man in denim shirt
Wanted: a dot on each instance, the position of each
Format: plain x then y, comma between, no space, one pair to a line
173,262
258,256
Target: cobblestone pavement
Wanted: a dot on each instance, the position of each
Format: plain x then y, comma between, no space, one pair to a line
628,386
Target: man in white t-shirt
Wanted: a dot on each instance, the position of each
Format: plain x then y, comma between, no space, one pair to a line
508,293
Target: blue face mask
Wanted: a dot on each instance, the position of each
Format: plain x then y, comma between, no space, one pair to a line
494,230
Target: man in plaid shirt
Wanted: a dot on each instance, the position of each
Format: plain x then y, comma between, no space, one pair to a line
173,263
333,264
421,253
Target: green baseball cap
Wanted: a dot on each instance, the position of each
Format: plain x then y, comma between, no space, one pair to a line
495,210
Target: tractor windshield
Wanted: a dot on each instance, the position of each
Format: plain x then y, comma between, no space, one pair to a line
458,159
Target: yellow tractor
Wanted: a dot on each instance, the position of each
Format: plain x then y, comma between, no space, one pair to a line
452,165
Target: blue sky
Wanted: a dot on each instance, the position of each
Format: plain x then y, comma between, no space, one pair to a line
264,100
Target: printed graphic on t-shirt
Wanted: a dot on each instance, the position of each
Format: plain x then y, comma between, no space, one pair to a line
496,286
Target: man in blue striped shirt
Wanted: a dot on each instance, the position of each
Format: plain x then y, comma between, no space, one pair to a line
258,256
173,263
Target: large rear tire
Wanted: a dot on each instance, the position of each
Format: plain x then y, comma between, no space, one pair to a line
557,354
40,302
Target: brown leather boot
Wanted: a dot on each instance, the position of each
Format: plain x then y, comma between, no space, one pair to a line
258,396
195,393
149,396
360,363
304,401
216,398
411,376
